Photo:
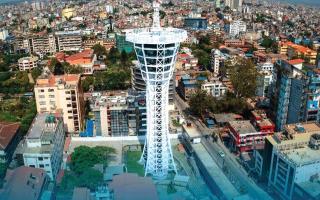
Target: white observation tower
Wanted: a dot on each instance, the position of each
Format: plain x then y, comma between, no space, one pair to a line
156,49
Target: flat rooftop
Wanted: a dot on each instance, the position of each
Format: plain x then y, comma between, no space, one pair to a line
242,127
311,188
191,131
302,155
215,172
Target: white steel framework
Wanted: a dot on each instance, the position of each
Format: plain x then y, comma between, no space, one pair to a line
156,49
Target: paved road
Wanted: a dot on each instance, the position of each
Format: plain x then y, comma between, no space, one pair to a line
234,171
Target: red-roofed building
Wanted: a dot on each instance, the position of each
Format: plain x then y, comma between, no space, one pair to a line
262,122
84,59
9,139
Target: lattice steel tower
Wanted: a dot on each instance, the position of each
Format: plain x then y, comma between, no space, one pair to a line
156,49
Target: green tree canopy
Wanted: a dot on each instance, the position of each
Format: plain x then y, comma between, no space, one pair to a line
243,76
85,157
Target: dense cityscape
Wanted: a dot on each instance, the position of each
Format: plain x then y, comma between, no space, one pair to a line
159,100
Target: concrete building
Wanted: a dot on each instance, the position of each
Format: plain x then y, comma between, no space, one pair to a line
234,4
235,28
68,40
217,60
23,183
265,79
295,162
245,137
120,114
43,146
295,93
196,23
9,139
42,44
3,34
214,87
297,51
28,63
61,94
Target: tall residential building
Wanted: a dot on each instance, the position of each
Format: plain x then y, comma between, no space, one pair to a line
156,49
61,94
3,34
217,59
295,93
295,162
43,145
234,4
122,44
235,28
265,79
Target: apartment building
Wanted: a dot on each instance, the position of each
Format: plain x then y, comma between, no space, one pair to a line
295,162
61,94
217,60
265,79
297,51
28,63
295,93
43,145
120,114
68,40
214,87
236,27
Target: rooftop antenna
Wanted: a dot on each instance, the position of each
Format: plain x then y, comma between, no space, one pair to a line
156,17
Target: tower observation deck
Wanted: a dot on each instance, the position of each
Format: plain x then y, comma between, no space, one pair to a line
156,49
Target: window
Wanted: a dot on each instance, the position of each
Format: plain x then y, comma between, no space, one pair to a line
41,96
68,98
40,158
50,90
70,117
41,90
68,105
69,111
41,166
67,92
42,103
47,165
51,96
31,165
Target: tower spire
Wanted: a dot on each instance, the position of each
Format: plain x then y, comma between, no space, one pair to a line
156,16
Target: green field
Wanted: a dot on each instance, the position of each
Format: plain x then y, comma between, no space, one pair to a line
132,164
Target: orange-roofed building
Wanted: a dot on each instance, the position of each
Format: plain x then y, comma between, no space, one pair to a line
61,94
84,59
295,50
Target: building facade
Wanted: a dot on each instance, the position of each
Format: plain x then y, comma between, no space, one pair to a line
28,63
295,162
295,93
62,94
43,146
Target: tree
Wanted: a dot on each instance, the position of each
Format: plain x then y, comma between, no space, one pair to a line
85,157
36,72
113,56
124,58
72,69
56,67
86,83
243,76
199,102
99,50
